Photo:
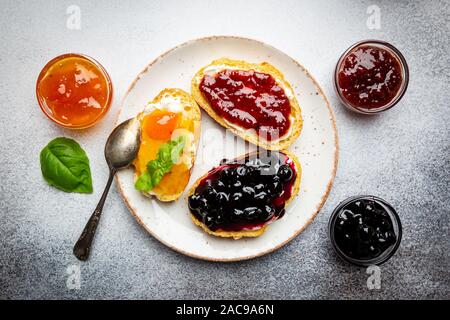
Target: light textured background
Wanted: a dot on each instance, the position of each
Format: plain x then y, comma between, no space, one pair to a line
402,155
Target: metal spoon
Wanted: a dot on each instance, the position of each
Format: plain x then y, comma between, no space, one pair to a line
121,148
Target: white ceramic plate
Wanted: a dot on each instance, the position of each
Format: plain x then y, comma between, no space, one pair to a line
316,148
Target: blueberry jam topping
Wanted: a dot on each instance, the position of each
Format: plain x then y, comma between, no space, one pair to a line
363,229
245,193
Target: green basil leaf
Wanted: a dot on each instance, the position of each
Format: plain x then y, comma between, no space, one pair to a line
144,182
168,154
65,165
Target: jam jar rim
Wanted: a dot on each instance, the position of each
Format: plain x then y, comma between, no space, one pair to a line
387,254
102,69
404,71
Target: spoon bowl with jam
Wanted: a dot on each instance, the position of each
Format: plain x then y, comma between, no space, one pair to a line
74,91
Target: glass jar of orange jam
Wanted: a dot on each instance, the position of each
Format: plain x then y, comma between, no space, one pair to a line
74,91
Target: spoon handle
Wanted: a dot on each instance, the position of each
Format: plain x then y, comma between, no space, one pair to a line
82,248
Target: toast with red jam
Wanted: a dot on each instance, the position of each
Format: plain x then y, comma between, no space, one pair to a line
254,101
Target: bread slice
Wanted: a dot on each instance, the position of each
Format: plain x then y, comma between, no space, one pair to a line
180,101
250,135
247,233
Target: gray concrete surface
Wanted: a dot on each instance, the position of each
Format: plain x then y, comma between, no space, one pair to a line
402,155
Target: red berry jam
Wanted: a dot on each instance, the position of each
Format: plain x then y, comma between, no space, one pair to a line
244,194
369,77
249,99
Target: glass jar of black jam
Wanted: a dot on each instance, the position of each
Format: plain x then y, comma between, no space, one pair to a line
365,230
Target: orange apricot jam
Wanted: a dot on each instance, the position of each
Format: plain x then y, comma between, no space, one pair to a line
74,91
160,124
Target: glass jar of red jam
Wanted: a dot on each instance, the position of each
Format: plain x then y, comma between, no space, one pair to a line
371,76
74,91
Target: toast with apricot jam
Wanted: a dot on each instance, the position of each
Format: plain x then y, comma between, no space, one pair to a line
170,134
